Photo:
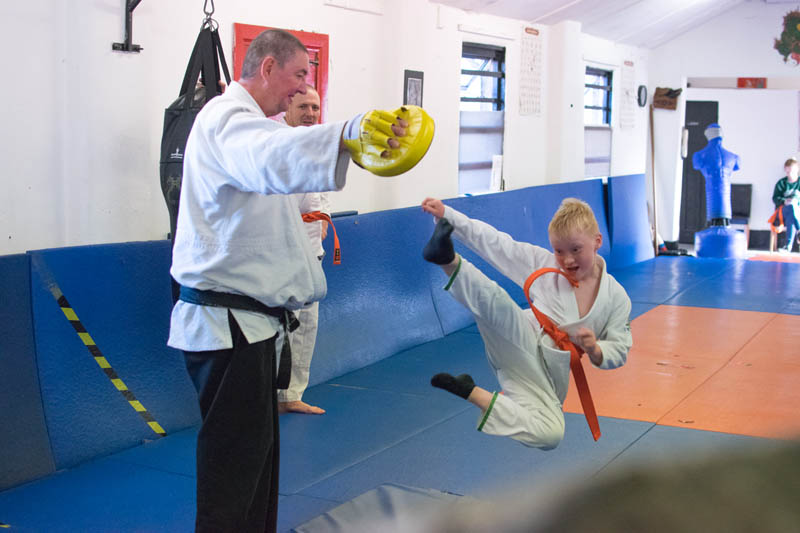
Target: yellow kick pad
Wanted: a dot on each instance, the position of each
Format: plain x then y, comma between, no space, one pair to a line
375,132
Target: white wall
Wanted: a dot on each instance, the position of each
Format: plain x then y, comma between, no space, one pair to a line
629,145
81,127
738,43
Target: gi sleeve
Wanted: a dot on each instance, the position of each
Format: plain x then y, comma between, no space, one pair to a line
515,260
261,155
616,340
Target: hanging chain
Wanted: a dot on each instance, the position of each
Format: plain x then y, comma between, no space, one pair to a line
209,22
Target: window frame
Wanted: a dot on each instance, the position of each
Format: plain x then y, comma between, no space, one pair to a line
488,52
608,75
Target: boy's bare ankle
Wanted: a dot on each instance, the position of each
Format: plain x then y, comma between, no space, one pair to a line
450,267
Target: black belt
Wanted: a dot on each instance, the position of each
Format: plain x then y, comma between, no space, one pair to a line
246,303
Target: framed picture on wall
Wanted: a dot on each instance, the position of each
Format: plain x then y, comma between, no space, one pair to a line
412,88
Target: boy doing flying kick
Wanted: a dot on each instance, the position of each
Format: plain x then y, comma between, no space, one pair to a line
531,369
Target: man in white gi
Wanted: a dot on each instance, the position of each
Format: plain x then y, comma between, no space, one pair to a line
532,371
244,262
305,111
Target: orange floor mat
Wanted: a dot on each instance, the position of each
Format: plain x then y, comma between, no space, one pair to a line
778,258
711,369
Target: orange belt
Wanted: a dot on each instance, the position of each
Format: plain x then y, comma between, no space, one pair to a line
319,215
779,214
562,341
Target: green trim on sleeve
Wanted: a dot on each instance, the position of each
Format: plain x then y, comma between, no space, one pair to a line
453,277
486,414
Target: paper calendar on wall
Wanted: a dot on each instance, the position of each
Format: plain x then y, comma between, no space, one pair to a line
530,85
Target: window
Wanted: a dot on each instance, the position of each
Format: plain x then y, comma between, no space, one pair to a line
482,77
597,97
480,145
597,122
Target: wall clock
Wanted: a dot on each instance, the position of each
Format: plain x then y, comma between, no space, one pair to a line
641,95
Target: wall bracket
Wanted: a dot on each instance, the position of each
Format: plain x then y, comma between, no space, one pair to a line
127,46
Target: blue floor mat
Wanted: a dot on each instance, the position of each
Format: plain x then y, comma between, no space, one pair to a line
454,457
358,423
673,444
174,453
746,286
657,280
102,496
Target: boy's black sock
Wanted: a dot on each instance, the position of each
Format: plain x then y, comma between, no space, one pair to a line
461,385
439,249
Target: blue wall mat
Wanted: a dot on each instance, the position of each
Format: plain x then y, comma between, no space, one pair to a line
121,295
545,200
410,371
628,223
24,443
379,300
507,212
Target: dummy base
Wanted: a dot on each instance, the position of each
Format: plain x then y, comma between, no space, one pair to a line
720,241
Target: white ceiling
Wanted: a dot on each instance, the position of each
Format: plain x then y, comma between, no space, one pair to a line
642,23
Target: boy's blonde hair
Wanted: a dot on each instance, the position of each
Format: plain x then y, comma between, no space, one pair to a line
573,215
789,162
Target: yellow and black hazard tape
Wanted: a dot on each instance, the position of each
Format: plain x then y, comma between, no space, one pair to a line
69,312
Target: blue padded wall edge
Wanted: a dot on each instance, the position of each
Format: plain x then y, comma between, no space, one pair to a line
24,441
121,295
629,224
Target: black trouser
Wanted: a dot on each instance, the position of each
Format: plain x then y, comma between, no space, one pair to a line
238,444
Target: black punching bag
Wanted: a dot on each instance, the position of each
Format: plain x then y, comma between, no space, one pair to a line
180,115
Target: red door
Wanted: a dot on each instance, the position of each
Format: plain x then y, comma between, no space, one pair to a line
317,44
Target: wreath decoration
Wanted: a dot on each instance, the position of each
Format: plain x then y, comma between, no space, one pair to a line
789,43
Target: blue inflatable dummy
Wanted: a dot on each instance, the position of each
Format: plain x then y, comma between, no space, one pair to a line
717,164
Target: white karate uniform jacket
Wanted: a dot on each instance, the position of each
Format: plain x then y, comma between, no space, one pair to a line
239,226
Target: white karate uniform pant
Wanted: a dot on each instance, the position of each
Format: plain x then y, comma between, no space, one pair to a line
529,411
302,341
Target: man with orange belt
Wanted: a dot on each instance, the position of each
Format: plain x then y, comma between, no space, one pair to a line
587,303
304,110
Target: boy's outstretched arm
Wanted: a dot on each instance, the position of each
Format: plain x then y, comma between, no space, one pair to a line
515,260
